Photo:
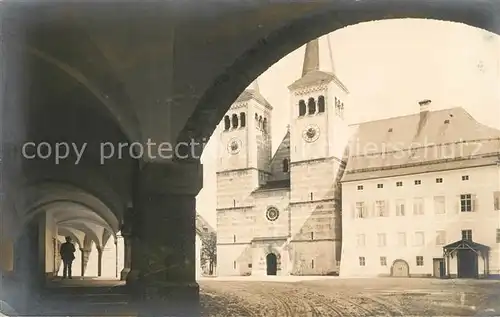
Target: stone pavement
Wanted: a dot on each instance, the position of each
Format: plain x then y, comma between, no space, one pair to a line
287,296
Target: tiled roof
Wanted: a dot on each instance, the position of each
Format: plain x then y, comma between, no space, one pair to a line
314,77
380,147
283,152
272,185
249,94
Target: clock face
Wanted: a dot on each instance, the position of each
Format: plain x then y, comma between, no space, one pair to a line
234,146
311,133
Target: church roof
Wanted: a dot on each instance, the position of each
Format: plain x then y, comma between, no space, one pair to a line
283,152
423,142
249,94
311,73
273,185
278,178
315,77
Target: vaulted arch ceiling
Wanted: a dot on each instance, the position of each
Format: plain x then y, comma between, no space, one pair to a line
67,199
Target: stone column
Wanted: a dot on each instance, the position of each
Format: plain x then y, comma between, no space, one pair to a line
99,261
164,236
127,257
85,254
126,232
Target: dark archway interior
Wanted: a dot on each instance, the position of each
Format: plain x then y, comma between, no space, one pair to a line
271,264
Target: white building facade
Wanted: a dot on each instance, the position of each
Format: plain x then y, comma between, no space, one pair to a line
400,213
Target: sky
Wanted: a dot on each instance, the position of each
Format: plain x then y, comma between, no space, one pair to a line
387,66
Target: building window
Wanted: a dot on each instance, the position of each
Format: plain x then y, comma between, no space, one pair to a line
400,207
286,167
382,241
243,119
383,261
380,208
312,264
399,184
339,107
321,104
418,206
362,261
311,106
249,265
259,124
264,125
234,238
272,213
419,238
440,237
465,177
312,235
498,235
402,239
467,234
361,210
302,108
227,123
466,203
439,205
439,180
496,200
420,261
361,240
234,264
360,187
418,182
234,121
380,185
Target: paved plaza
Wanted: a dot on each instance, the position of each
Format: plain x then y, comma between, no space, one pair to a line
291,296
349,297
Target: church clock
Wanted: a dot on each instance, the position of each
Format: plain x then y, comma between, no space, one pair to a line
310,133
234,146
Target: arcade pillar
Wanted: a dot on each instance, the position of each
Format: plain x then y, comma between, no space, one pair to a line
163,235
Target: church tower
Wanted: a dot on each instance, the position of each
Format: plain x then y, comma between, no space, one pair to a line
244,155
318,139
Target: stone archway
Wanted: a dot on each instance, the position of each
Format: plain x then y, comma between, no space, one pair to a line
400,268
307,23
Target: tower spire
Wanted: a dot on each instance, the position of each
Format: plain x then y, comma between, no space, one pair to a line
311,57
330,53
255,85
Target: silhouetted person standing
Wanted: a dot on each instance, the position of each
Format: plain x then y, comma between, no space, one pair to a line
67,252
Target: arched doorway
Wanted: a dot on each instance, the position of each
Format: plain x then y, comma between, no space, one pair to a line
400,268
271,264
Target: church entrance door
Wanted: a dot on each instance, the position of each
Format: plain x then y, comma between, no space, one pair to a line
272,264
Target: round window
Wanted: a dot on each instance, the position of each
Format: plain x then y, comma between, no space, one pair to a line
272,214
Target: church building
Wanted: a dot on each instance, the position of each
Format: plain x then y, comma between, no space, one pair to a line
279,213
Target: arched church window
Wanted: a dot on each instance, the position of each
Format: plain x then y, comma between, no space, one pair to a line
260,122
311,106
256,117
243,119
235,121
302,108
321,104
286,167
264,125
227,123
